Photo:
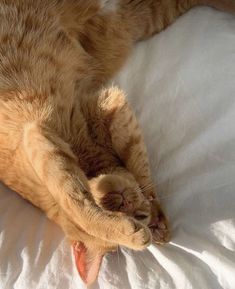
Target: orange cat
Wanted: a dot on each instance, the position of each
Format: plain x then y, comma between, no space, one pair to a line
73,150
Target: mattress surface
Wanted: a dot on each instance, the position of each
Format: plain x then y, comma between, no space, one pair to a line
181,86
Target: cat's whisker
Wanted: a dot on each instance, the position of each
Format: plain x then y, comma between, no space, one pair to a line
138,190
149,185
118,248
163,198
146,188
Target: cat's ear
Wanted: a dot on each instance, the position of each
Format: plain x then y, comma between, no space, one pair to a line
87,262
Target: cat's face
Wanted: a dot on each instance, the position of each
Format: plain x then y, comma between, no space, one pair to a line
121,193
118,193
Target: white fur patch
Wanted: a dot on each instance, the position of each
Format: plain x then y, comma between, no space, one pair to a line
109,5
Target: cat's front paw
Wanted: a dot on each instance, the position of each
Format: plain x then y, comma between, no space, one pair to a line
116,193
159,225
138,236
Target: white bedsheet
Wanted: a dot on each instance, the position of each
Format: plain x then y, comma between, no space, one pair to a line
182,86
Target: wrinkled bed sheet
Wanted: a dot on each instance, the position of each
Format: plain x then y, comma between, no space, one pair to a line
181,84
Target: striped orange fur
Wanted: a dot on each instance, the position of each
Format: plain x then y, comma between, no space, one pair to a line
69,147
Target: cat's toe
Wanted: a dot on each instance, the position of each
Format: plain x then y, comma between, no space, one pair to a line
141,239
112,201
126,206
117,201
138,236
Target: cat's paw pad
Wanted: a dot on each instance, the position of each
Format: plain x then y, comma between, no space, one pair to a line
121,201
160,228
115,193
112,201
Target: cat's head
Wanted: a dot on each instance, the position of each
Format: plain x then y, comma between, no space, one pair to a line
118,193
121,194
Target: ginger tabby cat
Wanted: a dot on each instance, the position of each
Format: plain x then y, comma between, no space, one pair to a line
69,147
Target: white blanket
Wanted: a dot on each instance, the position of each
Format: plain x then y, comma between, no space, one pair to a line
181,85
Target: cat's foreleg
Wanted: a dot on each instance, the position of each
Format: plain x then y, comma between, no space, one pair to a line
57,168
145,18
126,137
128,143
73,232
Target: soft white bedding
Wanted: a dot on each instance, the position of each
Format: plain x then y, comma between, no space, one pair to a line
181,84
